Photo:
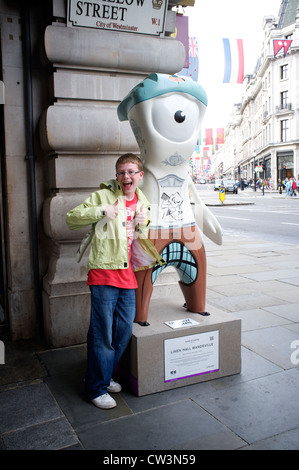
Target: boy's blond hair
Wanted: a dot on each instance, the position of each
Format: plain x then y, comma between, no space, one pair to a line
129,158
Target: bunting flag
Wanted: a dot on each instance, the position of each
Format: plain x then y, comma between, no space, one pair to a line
209,137
193,59
193,47
205,152
215,146
192,68
234,61
220,135
281,43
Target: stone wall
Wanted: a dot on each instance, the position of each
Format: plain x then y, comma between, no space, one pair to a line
16,239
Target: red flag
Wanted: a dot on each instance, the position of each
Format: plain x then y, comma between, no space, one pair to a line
220,135
209,137
281,43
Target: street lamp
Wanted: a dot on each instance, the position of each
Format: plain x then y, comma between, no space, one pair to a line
254,164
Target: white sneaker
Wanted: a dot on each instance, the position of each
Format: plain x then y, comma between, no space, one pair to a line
114,387
104,401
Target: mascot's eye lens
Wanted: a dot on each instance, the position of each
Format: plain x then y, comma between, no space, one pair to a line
179,116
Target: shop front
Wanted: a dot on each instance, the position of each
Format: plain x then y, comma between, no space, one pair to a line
285,165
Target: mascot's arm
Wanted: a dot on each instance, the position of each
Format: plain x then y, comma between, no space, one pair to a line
204,218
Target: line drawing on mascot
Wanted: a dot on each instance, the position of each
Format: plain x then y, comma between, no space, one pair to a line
165,113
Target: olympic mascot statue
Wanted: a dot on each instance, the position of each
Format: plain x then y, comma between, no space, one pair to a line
165,113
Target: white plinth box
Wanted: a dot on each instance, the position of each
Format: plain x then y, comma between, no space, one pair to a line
193,349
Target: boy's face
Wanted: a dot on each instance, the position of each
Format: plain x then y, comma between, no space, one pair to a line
128,175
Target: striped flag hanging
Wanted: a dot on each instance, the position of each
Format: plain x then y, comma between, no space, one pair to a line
234,61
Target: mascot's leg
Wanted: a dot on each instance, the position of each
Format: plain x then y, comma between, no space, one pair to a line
144,280
143,296
195,292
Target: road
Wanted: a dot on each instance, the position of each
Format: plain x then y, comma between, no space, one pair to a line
271,216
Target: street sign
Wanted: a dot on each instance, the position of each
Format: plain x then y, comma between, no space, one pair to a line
222,194
126,16
258,169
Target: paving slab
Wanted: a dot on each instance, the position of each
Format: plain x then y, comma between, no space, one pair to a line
56,434
274,344
290,311
227,280
285,441
294,327
294,281
26,406
242,269
256,319
21,364
173,426
237,302
270,274
258,409
253,367
280,290
233,289
223,261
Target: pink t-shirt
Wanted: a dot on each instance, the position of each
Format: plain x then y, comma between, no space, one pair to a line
124,278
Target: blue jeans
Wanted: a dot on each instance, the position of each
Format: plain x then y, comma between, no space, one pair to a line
110,330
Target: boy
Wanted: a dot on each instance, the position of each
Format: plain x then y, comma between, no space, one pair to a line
118,214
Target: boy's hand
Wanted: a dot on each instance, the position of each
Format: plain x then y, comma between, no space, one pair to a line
141,217
112,211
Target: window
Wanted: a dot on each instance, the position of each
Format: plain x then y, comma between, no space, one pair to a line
284,100
284,72
265,136
284,130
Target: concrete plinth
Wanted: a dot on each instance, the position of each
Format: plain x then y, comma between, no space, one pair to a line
162,358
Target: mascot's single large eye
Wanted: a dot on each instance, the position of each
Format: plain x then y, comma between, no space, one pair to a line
175,116
179,116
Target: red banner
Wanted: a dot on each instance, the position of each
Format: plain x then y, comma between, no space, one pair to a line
220,135
209,137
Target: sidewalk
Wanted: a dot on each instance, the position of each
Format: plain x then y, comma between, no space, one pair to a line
246,197
41,391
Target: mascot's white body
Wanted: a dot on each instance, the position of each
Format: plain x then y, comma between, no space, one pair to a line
165,113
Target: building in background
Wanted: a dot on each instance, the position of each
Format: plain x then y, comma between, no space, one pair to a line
262,137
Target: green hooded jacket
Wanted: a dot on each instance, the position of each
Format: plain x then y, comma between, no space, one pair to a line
108,238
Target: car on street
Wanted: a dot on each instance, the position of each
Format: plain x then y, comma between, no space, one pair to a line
230,186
